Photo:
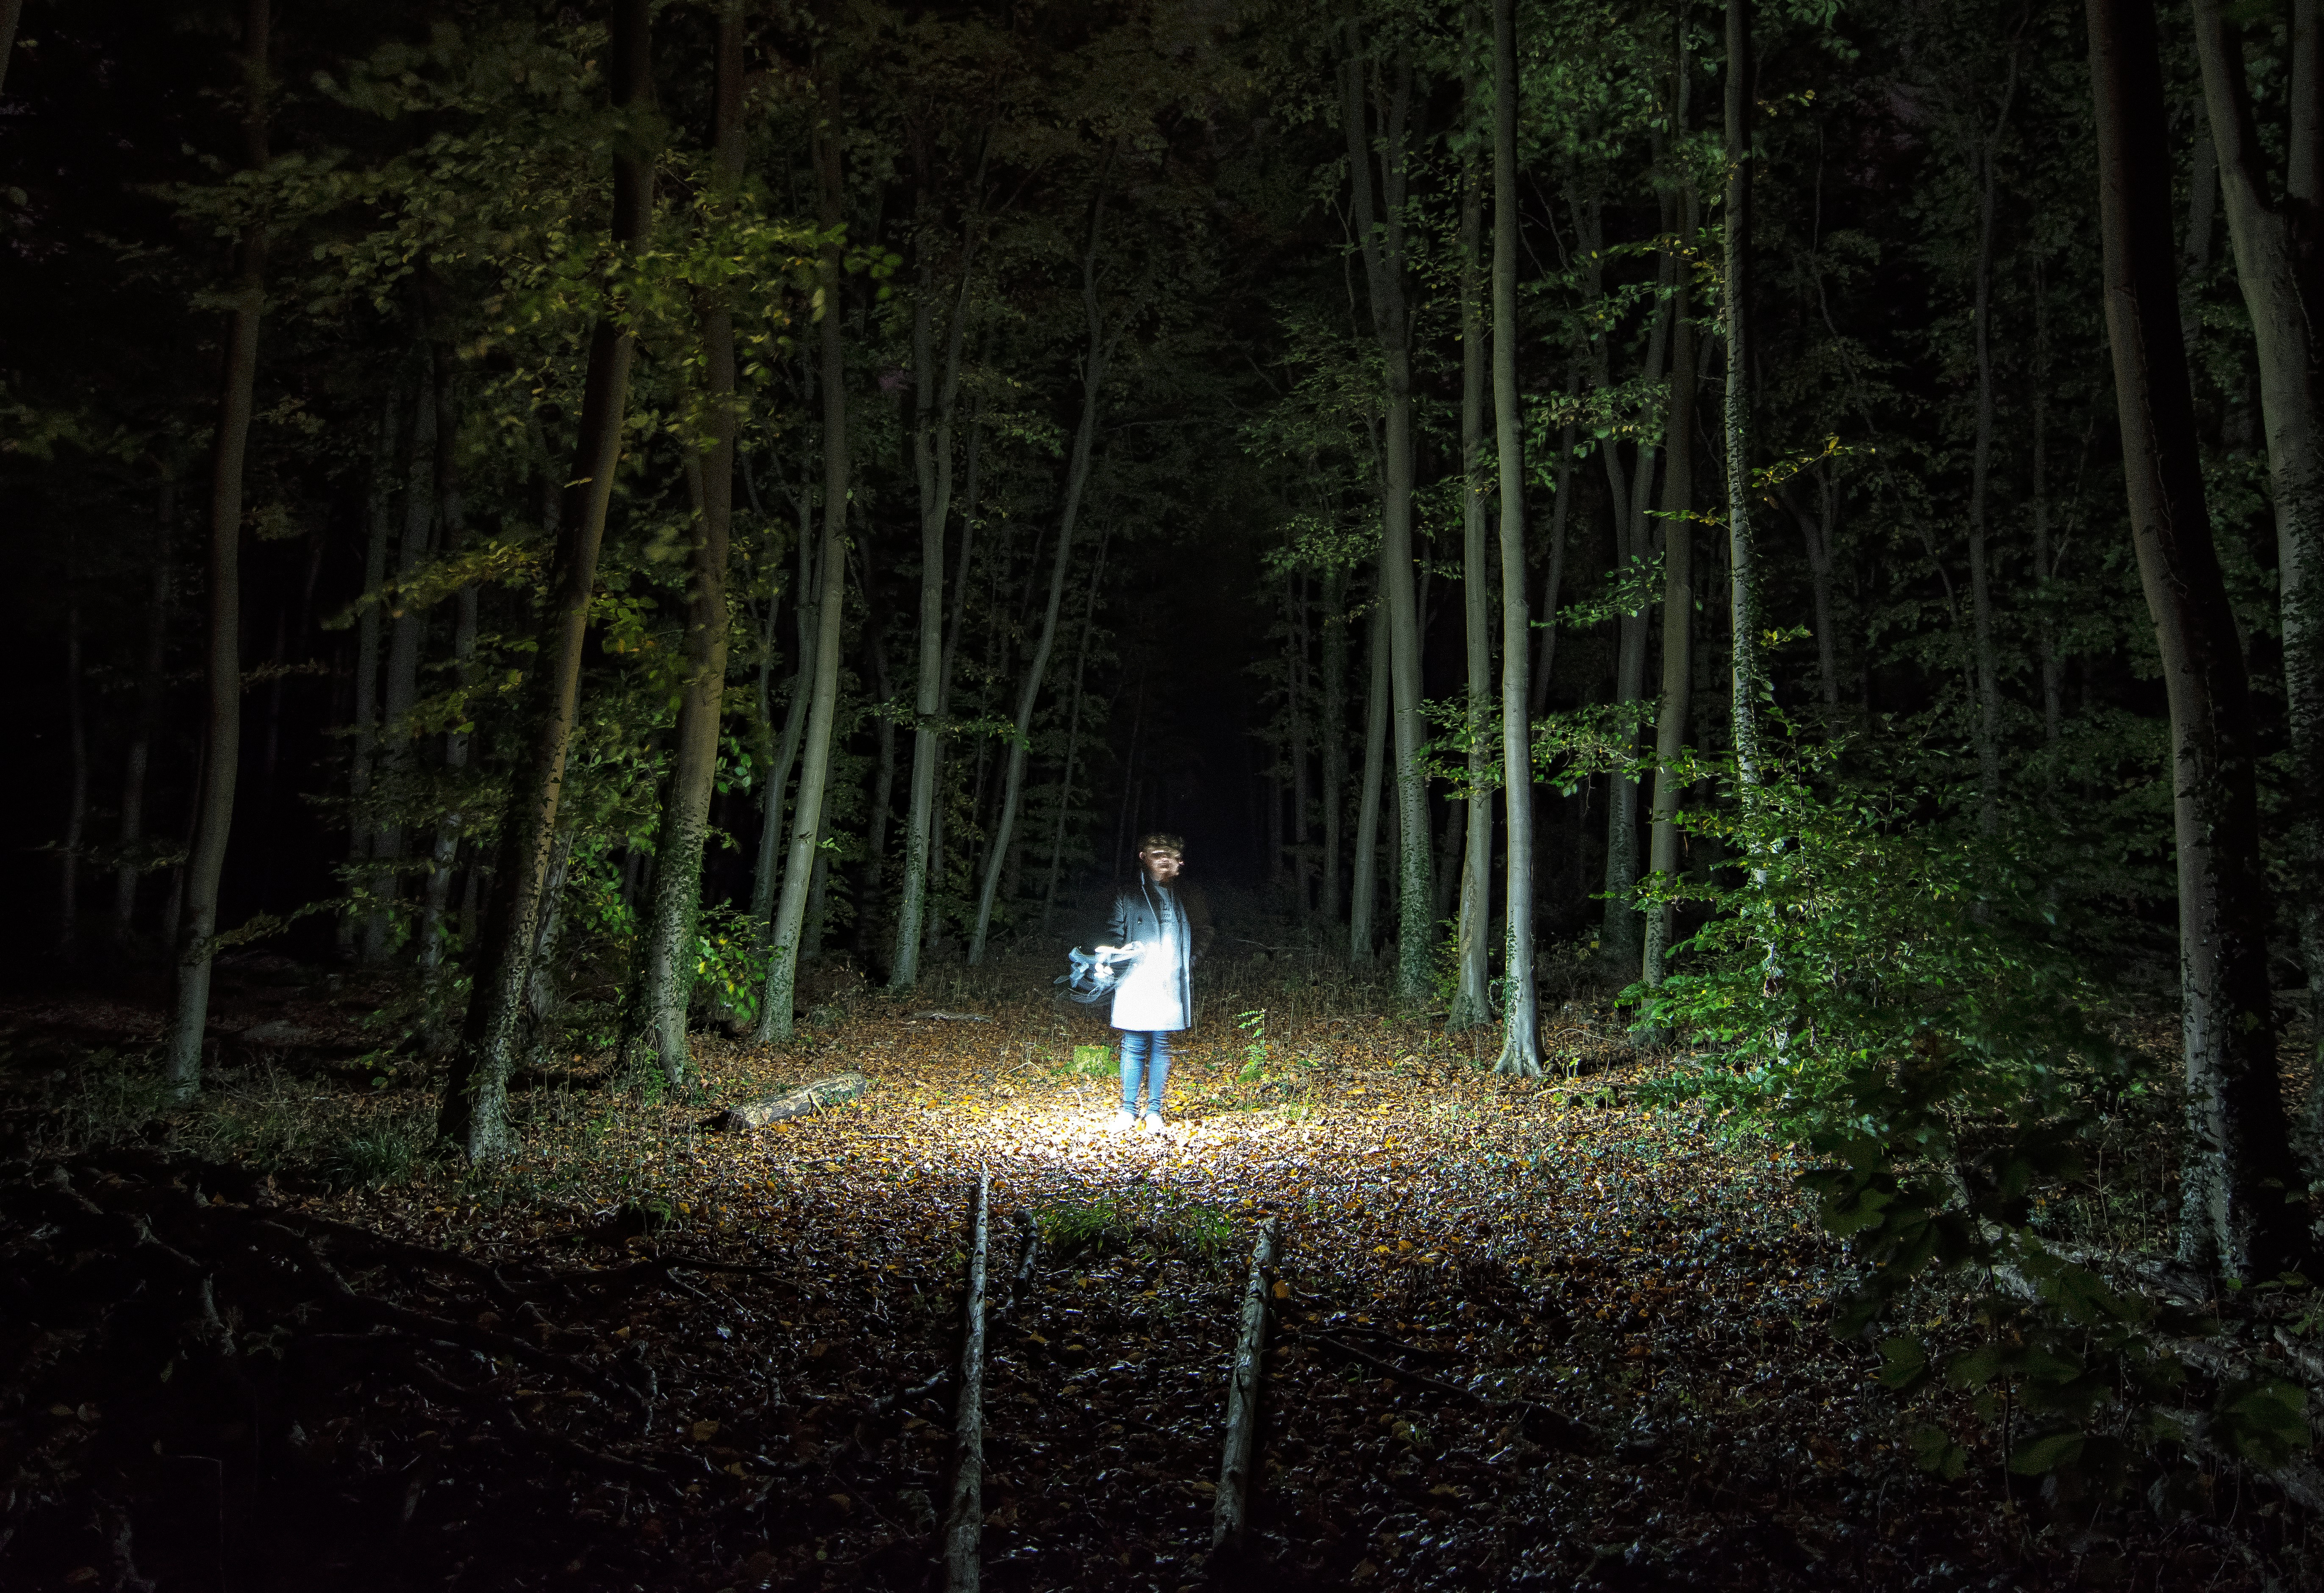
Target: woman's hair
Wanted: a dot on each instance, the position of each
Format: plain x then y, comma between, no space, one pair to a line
1162,841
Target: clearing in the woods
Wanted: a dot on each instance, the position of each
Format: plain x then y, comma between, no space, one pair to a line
1525,1333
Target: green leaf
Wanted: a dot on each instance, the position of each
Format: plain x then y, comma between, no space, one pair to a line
1934,1450
2046,1454
1904,1364
2264,1422
1974,1368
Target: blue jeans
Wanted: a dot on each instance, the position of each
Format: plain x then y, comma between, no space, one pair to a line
1146,1051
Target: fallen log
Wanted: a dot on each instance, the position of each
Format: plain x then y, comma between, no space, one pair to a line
964,1521
1242,1400
796,1103
1028,1257
955,1017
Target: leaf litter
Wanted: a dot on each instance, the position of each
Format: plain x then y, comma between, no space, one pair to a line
1528,1334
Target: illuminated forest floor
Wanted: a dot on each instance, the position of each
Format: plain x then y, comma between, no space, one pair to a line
666,1372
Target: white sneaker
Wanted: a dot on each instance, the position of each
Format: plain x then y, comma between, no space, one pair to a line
1122,1121
1153,1122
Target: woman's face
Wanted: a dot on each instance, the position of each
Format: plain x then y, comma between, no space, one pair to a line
1161,868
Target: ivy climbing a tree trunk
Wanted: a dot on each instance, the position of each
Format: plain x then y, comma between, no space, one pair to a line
237,384
2239,1219
474,1111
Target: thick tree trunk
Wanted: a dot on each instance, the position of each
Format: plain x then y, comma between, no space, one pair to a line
823,710
2279,248
655,1017
152,683
2239,1169
1366,887
1742,555
1678,617
238,383
1095,360
1520,1019
1379,227
1472,1000
474,1113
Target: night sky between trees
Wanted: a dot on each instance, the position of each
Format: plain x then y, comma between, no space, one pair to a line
623,544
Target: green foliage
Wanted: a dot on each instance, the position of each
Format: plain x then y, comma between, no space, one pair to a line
1119,1224
1900,992
379,1150
730,960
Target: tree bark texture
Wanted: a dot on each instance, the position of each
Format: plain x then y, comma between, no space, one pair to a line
237,384
2238,1168
1231,1506
2278,237
1743,588
474,1112
1379,227
964,1525
823,709
1520,1016
1365,893
664,981
1471,999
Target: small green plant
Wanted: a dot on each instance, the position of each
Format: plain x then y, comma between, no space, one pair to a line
1253,1024
1092,1061
382,1152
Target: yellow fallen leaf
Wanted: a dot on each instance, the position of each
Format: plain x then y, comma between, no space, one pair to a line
705,1430
1282,1289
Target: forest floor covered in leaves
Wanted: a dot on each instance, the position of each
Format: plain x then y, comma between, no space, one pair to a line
1525,1333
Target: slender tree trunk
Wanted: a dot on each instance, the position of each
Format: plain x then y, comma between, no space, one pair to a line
2239,1171
2044,571
2278,248
823,712
364,752
770,811
1981,577
474,1113
1678,619
1520,1018
1094,361
435,896
1334,738
238,383
10,12
1743,587
1379,226
664,978
1471,999
1296,691
932,460
1072,736
403,684
1366,890
1554,581
152,686
76,789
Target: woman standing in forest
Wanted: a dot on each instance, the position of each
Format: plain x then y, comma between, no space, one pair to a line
1170,925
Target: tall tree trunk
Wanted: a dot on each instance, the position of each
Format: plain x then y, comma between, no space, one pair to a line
1095,360
1072,736
1335,737
1380,227
2044,568
1296,693
937,401
76,788
237,382
765,878
1980,473
1678,616
10,12
2239,1169
2279,248
655,1015
363,754
474,1112
451,506
1553,582
823,712
403,684
1520,1018
1365,885
1471,999
1743,577
153,678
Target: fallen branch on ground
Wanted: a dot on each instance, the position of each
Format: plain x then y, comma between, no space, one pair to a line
964,1521
1227,1512
796,1103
